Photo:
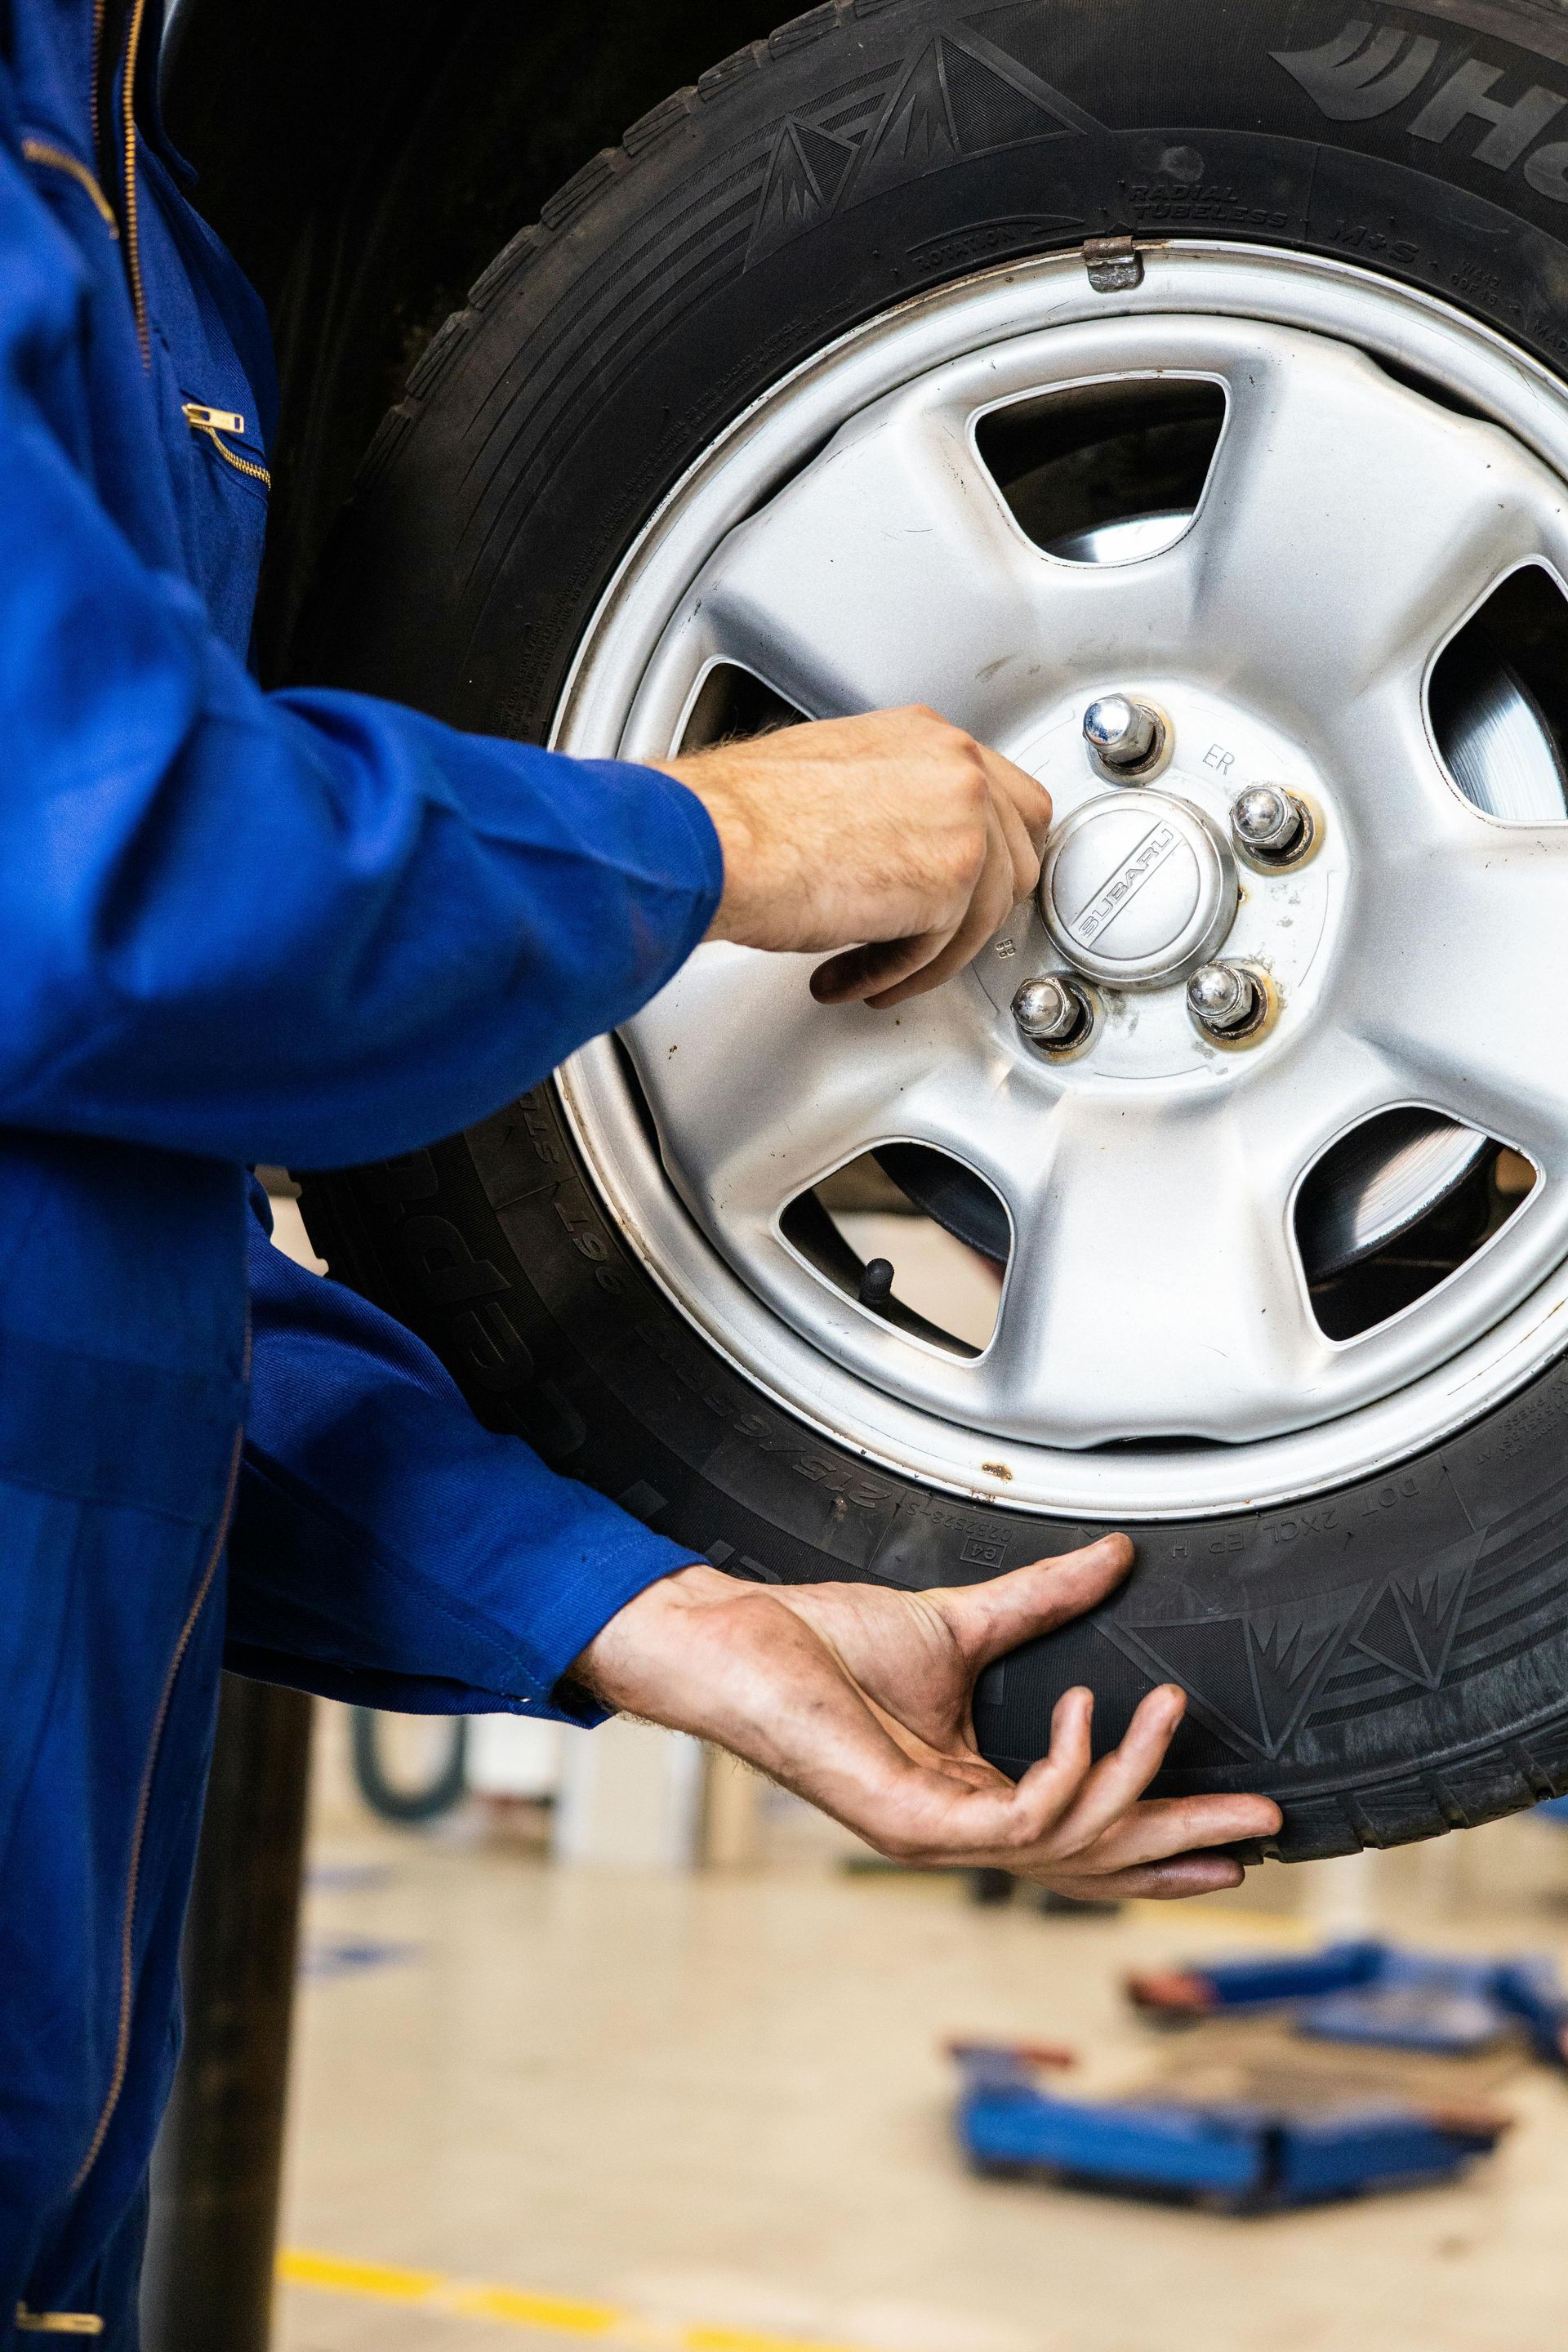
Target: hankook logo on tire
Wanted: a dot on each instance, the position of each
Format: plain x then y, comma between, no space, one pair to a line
1367,69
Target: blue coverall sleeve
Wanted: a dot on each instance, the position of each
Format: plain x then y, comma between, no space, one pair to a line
388,1549
308,927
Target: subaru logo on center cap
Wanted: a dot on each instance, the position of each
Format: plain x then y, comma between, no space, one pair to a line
1159,843
1137,892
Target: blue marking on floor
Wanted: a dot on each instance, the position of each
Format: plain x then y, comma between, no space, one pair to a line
321,1959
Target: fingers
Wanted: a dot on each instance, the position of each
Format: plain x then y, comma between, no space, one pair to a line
1079,1827
992,1618
1026,809
1104,1828
884,974
948,1810
1161,1829
993,902
1162,1882
866,974
1109,1798
1050,1788
1120,1778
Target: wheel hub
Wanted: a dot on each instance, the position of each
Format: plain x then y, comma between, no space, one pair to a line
1138,889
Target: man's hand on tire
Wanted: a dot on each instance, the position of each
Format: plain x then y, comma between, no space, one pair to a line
895,838
859,1699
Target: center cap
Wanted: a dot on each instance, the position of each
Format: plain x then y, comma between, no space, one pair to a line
1137,889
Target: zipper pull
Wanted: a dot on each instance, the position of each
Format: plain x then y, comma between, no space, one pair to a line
201,419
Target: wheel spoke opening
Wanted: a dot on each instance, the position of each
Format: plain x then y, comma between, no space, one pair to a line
1396,1207
733,705
914,1236
1498,701
1414,379
1105,472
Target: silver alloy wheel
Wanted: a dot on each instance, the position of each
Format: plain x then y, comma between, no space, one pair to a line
846,544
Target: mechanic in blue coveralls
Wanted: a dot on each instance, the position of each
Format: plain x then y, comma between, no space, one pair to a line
315,928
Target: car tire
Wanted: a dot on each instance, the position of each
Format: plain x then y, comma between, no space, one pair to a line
1388,1659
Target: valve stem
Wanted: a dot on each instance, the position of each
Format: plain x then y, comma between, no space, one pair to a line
877,1284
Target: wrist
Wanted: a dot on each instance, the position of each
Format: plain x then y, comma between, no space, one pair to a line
704,777
613,1669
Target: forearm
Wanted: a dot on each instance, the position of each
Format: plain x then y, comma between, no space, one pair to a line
388,1547
308,927
315,928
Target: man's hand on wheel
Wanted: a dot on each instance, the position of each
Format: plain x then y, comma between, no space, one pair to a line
893,837
859,1699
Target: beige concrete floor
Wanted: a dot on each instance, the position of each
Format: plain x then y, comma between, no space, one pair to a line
709,2113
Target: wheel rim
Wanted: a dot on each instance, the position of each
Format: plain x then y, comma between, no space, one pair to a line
1155,1294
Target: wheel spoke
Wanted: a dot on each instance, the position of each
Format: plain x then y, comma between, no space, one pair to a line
1348,524
1153,1286
742,1128
888,573
1459,978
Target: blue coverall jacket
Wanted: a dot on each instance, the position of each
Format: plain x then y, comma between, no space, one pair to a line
234,927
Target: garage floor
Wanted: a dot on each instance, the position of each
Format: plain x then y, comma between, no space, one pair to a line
708,2114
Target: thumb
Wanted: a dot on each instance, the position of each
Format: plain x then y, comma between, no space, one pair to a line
987,1620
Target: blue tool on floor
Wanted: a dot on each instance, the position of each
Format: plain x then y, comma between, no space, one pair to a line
1238,2156
1369,1991
353,1959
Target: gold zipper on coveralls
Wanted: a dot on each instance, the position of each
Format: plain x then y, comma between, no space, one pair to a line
132,225
143,1806
44,150
214,423
58,2323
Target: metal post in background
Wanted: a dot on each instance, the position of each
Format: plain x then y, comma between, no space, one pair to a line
217,2169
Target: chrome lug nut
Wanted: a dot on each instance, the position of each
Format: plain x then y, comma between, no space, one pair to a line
1127,738
1053,1011
1269,824
1225,999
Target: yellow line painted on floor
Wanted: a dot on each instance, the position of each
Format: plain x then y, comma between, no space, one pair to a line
546,2314
380,2280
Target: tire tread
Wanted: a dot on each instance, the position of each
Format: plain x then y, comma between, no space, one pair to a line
575,196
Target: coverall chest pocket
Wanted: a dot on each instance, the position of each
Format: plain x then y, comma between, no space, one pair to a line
226,482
